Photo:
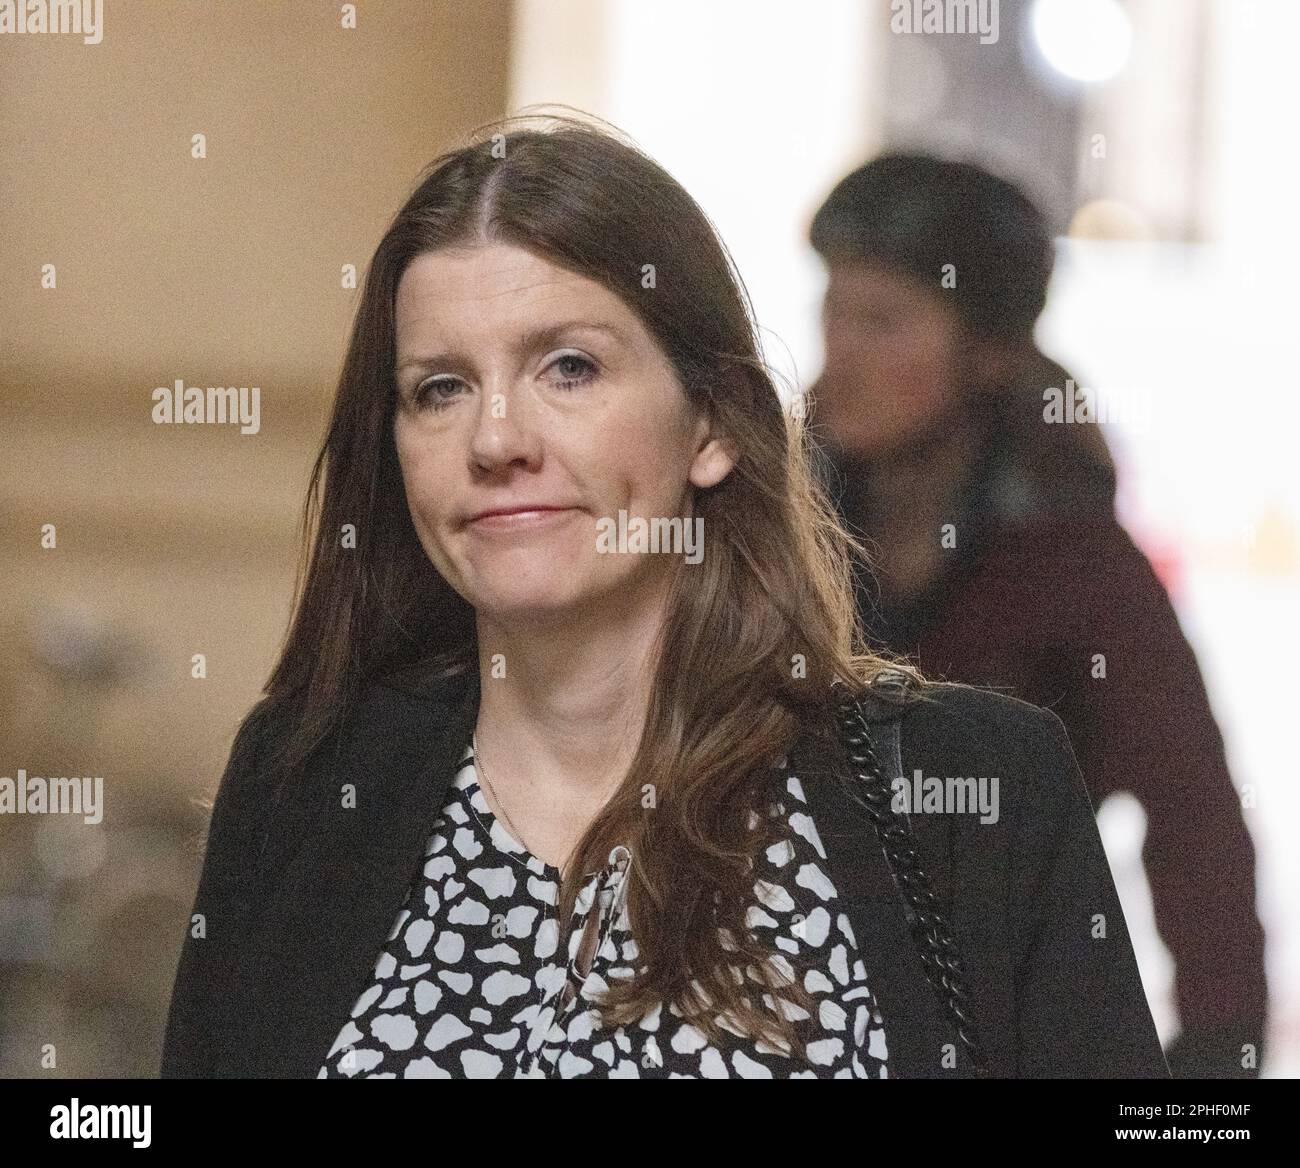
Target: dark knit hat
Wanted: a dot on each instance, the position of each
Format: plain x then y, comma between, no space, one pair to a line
919,213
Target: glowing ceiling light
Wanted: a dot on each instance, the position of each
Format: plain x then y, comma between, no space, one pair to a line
1088,40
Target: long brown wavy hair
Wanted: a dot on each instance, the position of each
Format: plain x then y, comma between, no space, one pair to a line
754,635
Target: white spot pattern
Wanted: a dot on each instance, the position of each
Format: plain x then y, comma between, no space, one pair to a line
487,1000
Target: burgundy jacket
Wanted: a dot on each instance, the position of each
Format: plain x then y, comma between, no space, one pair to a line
1043,579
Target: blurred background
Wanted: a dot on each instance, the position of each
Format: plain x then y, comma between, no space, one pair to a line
140,626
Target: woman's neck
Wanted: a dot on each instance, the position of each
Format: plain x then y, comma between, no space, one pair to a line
563,706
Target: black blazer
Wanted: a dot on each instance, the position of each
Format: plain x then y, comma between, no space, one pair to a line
299,893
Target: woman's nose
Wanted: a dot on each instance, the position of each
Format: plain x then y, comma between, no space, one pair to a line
504,431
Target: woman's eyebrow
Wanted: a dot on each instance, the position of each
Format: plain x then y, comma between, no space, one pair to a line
531,341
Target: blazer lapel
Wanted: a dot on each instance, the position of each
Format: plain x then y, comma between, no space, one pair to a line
916,1029
311,949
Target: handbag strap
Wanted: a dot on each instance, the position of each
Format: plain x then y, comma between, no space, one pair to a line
870,719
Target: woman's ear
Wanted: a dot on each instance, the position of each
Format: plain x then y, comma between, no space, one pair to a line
714,457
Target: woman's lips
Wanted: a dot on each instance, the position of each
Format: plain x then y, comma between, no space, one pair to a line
525,520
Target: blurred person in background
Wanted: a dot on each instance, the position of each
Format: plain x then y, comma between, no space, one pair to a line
1000,560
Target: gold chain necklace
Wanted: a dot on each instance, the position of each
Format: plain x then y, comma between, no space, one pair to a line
482,770
482,773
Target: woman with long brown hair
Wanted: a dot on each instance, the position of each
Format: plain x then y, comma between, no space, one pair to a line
574,763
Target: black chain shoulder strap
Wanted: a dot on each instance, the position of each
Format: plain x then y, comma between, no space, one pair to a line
930,931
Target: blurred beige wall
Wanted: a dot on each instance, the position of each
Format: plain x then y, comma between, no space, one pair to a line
220,271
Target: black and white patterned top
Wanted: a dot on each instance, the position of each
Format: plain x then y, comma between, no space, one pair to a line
470,984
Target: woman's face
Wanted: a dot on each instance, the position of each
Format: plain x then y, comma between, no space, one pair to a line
530,391
892,349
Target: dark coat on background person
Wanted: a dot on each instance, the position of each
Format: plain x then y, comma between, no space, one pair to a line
299,891
1043,578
